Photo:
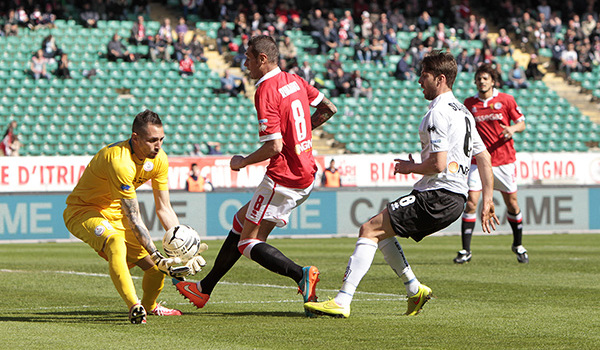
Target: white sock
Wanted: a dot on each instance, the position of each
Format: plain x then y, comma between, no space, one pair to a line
358,265
394,256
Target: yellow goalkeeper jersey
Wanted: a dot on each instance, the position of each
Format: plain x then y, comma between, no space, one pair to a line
114,173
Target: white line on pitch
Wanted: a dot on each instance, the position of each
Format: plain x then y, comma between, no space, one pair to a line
89,274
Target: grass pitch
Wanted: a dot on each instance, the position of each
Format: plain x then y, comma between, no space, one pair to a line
59,296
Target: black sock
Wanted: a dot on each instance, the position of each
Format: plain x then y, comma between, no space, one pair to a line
466,230
272,259
227,257
516,223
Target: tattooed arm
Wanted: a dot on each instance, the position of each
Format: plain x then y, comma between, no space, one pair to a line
324,111
131,210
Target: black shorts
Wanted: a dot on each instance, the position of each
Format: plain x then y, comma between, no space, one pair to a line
420,214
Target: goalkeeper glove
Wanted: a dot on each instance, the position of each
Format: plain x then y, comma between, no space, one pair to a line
165,265
196,263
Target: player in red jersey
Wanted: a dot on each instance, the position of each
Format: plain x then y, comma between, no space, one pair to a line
498,118
282,102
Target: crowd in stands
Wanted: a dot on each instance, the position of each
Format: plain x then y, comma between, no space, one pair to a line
570,31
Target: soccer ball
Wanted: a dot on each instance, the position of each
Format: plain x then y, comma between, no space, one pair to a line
181,241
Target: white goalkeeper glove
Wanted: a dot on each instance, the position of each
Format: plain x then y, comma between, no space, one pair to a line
165,265
196,263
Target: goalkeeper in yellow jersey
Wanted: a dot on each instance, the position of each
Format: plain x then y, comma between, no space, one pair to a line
103,211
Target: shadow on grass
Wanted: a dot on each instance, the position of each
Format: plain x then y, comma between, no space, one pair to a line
286,314
69,317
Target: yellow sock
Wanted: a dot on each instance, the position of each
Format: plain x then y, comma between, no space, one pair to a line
152,284
116,251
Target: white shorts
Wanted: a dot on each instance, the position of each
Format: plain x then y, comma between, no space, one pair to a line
505,178
273,202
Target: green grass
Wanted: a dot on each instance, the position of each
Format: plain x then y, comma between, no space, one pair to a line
493,302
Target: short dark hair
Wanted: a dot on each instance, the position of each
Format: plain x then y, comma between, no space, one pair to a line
264,44
439,62
489,69
144,118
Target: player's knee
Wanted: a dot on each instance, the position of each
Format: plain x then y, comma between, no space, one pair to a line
471,207
115,245
245,246
366,231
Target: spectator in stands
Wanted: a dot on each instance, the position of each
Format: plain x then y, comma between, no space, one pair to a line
10,29
557,50
186,66
503,43
158,49
50,48
181,48
38,65
332,65
195,183
362,51
239,60
138,32
188,6
404,71
240,25
35,18
330,40
10,141
306,73
257,22
232,85
317,25
182,28
586,56
424,21
197,49
288,51
391,42
569,60
166,32
366,26
483,28
214,148
116,50
347,26
22,17
517,78
197,151
224,37
463,61
477,58
360,86
533,72
342,84
63,71
89,17
377,47
331,176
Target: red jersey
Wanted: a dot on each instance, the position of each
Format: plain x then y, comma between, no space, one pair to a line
282,102
500,109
